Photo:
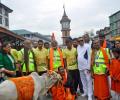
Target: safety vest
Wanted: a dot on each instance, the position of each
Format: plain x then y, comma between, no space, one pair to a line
56,62
101,62
31,62
14,53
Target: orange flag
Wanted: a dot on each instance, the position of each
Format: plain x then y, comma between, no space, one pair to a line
53,37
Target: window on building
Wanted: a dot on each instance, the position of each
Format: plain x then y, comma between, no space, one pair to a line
118,24
119,15
113,19
113,33
115,26
28,35
6,13
116,17
118,31
0,19
32,35
6,22
0,10
111,26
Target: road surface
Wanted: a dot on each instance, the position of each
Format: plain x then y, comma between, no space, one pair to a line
79,98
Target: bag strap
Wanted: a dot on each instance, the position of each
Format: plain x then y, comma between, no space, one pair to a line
61,57
51,58
35,65
104,44
106,58
27,66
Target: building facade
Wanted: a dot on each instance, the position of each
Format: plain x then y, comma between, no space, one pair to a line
34,36
5,34
4,15
65,24
115,24
105,32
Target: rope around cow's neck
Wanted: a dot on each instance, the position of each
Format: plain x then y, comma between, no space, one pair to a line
46,87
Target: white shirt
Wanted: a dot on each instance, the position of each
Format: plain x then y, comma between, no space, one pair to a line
82,62
88,45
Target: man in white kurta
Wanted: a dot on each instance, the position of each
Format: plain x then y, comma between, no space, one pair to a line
84,67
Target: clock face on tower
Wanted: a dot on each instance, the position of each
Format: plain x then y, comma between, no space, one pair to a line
65,25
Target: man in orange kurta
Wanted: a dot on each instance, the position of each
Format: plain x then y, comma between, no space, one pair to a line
115,71
61,91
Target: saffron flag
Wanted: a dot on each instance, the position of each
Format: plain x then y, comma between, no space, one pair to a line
53,37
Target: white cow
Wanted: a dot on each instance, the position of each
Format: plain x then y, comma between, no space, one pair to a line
41,85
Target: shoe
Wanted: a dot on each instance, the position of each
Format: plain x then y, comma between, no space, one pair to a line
81,91
89,97
79,94
83,95
76,96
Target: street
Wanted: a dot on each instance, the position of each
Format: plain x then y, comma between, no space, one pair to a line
79,98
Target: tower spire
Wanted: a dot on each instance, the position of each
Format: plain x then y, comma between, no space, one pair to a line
65,15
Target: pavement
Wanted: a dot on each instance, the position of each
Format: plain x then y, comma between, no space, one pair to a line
79,97
49,98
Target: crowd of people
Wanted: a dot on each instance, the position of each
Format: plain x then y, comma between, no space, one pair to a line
89,64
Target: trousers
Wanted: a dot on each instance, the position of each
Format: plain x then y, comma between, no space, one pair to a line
86,82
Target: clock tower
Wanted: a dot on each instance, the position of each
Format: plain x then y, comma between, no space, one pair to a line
65,25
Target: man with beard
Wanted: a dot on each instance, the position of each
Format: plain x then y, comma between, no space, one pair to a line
100,66
26,58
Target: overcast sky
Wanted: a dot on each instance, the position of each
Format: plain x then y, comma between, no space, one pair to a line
44,15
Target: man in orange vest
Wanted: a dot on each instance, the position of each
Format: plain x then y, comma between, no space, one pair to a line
99,66
55,63
55,57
